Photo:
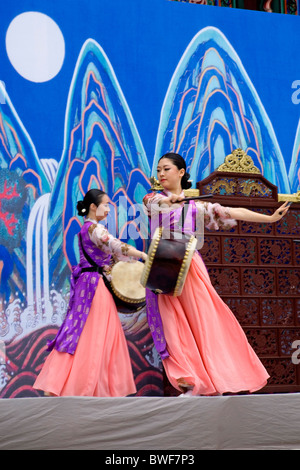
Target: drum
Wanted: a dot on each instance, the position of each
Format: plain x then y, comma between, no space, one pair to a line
168,262
129,294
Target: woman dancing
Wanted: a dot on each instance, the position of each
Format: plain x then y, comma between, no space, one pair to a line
203,347
89,355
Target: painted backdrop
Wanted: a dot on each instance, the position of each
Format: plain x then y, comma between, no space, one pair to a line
92,93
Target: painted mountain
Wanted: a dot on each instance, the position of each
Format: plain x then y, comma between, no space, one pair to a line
212,108
102,150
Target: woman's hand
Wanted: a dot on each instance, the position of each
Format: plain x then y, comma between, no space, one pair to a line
280,212
144,256
168,201
133,254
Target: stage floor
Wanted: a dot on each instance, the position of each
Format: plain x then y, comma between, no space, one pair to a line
145,423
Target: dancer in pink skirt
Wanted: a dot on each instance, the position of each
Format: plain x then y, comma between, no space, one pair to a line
203,347
89,355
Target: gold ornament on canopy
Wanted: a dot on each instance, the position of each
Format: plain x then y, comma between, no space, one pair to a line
238,162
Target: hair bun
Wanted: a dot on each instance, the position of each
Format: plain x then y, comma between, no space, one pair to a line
185,184
81,209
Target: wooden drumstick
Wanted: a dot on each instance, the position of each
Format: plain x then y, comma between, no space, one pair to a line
204,196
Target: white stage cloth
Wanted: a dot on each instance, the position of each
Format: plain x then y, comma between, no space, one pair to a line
145,423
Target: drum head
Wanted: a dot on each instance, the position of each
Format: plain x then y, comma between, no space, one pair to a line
125,281
151,254
168,263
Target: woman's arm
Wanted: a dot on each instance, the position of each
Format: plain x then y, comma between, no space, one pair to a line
131,251
240,213
109,244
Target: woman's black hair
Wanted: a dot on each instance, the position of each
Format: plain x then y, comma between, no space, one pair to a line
93,196
180,163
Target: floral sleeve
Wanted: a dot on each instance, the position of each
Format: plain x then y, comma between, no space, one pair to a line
216,216
107,243
151,203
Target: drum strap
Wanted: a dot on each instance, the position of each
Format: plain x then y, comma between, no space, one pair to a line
88,258
95,267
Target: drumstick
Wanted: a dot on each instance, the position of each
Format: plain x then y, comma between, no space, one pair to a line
204,196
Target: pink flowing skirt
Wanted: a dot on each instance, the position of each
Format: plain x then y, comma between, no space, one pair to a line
207,346
101,364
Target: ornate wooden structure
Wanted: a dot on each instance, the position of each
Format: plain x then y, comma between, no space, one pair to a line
277,6
255,268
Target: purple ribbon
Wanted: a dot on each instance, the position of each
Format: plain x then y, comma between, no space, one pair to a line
155,324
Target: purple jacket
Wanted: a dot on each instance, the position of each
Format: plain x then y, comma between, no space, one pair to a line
82,290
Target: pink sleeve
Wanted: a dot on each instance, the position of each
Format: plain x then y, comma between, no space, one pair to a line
107,243
217,216
151,201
